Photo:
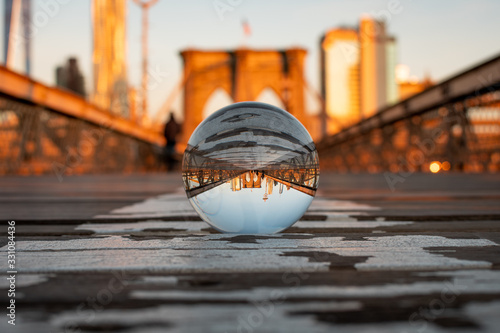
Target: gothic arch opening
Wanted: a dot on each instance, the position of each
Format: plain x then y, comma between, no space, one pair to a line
269,96
242,73
218,99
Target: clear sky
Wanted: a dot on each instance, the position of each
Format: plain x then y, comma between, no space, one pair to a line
435,37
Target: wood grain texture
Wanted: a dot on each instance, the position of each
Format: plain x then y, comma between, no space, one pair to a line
128,254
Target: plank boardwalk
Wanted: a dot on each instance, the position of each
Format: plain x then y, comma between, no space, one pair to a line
128,254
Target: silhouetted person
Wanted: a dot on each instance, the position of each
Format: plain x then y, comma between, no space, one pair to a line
170,132
456,146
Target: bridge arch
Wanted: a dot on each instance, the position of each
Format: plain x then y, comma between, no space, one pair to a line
217,100
244,74
270,96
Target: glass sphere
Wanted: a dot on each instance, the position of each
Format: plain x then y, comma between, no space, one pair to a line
250,168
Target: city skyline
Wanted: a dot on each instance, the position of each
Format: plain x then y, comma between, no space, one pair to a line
218,25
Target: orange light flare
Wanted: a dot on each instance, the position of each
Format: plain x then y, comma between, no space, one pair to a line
435,166
445,166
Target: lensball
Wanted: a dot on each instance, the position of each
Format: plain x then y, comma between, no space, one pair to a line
250,168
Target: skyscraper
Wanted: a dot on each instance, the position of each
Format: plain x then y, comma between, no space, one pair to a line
341,80
392,62
358,72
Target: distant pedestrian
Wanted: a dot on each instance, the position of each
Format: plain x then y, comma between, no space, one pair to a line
172,129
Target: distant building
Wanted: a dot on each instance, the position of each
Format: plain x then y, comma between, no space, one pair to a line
410,88
70,77
341,77
358,72
392,92
378,62
410,85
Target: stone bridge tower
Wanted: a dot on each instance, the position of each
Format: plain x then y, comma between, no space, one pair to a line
243,74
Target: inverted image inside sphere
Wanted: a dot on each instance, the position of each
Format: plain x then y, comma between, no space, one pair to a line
250,168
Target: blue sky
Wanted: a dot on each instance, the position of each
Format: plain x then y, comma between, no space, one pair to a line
437,37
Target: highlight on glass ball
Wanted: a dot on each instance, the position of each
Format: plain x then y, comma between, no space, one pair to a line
250,168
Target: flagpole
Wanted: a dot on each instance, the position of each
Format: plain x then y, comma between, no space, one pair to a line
246,32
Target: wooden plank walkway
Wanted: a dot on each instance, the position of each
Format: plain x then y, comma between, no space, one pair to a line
129,254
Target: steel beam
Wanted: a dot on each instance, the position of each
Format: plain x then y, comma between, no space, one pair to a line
32,92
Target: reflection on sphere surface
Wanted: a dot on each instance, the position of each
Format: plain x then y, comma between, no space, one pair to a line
250,168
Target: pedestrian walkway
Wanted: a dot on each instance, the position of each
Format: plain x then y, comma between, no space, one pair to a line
129,254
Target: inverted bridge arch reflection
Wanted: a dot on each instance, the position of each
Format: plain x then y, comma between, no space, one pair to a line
304,180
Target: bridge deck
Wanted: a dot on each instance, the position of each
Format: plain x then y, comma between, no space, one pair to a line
128,254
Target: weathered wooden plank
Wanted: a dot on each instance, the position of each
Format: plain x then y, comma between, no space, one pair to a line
364,258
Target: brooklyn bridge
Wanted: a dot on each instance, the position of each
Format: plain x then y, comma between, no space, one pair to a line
48,130
403,234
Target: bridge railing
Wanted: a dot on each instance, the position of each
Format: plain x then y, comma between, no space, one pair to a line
454,125
48,130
